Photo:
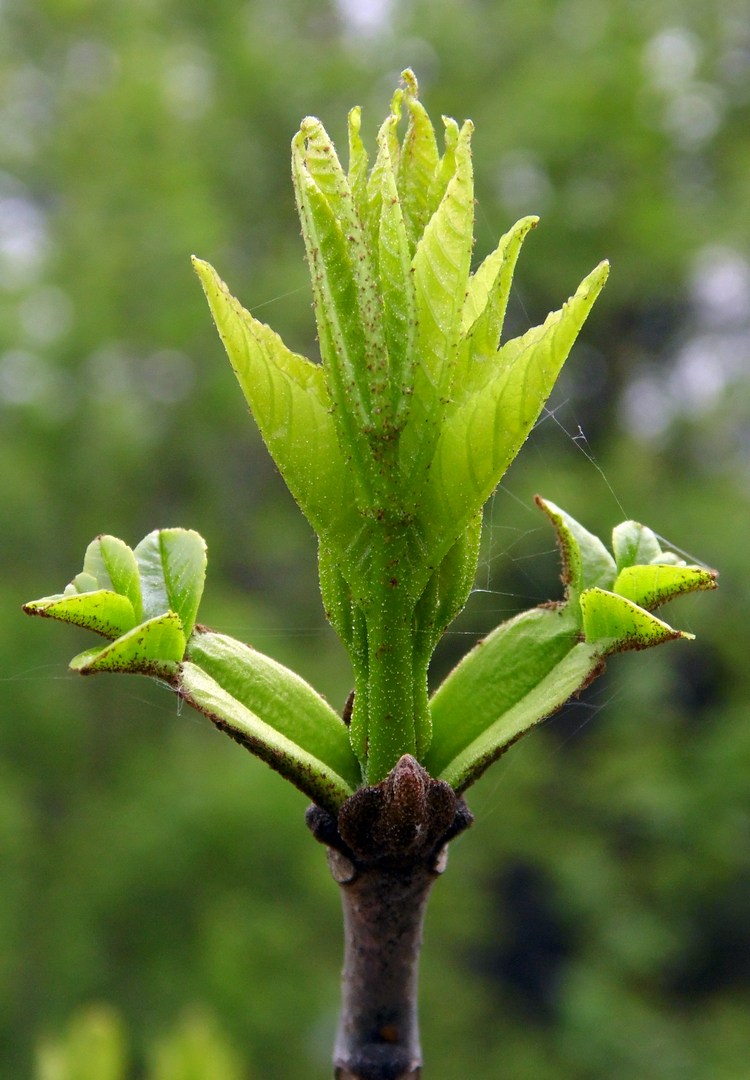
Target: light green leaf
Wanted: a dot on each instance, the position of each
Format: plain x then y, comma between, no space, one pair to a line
654,584
633,543
172,568
106,613
357,174
81,583
290,403
105,597
487,300
314,154
274,713
387,157
152,648
113,565
586,561
347,303
447,167
441,272
483,431
616,624
418,165
520,674
397,290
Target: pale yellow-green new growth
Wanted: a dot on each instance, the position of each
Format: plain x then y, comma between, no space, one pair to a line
393,443
390,443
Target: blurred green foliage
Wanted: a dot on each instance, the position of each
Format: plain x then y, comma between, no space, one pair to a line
94,1047
595,920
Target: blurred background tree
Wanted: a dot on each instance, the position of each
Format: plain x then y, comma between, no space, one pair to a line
596,919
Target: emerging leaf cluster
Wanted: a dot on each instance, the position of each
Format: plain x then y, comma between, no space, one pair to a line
395,441
528,667
144,600
390,445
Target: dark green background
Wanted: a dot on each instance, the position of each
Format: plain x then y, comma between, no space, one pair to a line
595,921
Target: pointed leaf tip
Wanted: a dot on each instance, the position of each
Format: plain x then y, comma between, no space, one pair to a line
105,612
409,79
654,584
586,561
616,624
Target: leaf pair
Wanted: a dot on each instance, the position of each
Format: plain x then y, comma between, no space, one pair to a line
273,713
144,600
520,674
612,596
528,667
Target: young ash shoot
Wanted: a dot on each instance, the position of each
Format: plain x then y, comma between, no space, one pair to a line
391,445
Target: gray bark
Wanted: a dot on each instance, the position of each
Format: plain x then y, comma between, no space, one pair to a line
386,849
